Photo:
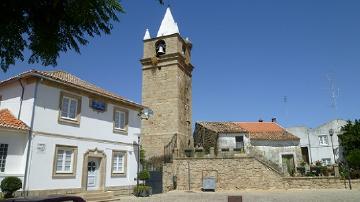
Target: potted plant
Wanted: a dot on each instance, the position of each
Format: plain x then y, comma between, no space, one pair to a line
142,190
9,185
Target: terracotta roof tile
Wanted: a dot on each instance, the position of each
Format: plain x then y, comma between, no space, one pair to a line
223,127
256,130
7,120
71,80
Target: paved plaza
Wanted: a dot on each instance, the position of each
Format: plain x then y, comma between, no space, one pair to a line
252,196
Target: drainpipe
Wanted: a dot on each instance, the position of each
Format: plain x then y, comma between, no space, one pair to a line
308,135
21,98
30,140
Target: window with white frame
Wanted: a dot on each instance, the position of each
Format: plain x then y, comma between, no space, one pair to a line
3,155
119,162
69,108
65,157
323,140
120,119
326,161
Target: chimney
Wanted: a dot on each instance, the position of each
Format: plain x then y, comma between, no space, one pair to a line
260,120
273,119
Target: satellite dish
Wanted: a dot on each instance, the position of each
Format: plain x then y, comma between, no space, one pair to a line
146,113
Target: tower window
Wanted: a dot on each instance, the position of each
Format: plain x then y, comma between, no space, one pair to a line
183,49
160,47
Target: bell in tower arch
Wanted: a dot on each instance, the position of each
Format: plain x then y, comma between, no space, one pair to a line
160,48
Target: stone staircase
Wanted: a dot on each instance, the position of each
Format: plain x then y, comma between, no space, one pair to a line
104,196
272,165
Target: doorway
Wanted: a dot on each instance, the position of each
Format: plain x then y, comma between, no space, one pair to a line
288,163
93,174
305,154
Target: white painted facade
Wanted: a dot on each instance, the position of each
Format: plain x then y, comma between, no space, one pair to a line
95,132
320,150
271,150
228,140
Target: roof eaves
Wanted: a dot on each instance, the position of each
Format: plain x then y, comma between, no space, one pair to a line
36,73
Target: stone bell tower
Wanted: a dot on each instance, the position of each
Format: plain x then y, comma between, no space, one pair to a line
166,89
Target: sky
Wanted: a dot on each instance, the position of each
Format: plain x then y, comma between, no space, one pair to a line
253,58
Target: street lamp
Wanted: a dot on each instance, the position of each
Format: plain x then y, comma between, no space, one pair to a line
331,133
138,165
146,113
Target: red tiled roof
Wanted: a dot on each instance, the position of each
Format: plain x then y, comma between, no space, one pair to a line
256,130
7,120
73,81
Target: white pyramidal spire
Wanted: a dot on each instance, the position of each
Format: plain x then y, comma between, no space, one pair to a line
168,25
147,34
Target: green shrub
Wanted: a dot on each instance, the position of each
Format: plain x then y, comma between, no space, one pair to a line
353,158
324,170
9,185
142,190
301,170
144,175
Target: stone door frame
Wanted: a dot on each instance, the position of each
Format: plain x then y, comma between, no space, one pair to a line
94,153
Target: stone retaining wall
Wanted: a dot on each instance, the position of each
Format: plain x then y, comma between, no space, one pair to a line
238,173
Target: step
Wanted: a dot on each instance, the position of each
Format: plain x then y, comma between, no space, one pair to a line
108,200
97,195
123,192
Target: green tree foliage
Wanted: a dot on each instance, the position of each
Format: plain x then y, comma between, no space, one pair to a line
9,185
48,27
350,141
354,158
142,157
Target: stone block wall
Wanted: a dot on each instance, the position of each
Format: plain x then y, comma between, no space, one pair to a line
166,89
238,173
230,173
313,183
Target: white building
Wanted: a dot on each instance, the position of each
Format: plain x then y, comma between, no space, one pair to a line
60,134
317,144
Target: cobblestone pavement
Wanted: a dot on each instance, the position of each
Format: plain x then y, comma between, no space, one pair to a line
328,195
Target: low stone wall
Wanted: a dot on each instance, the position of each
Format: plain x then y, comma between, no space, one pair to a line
313,183
237,173
230,173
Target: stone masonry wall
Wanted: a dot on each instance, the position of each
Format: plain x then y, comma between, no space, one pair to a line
238,173
231,174
166,89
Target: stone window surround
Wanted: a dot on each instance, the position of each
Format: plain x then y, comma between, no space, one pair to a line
78,112
118,130
115,174
71,174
